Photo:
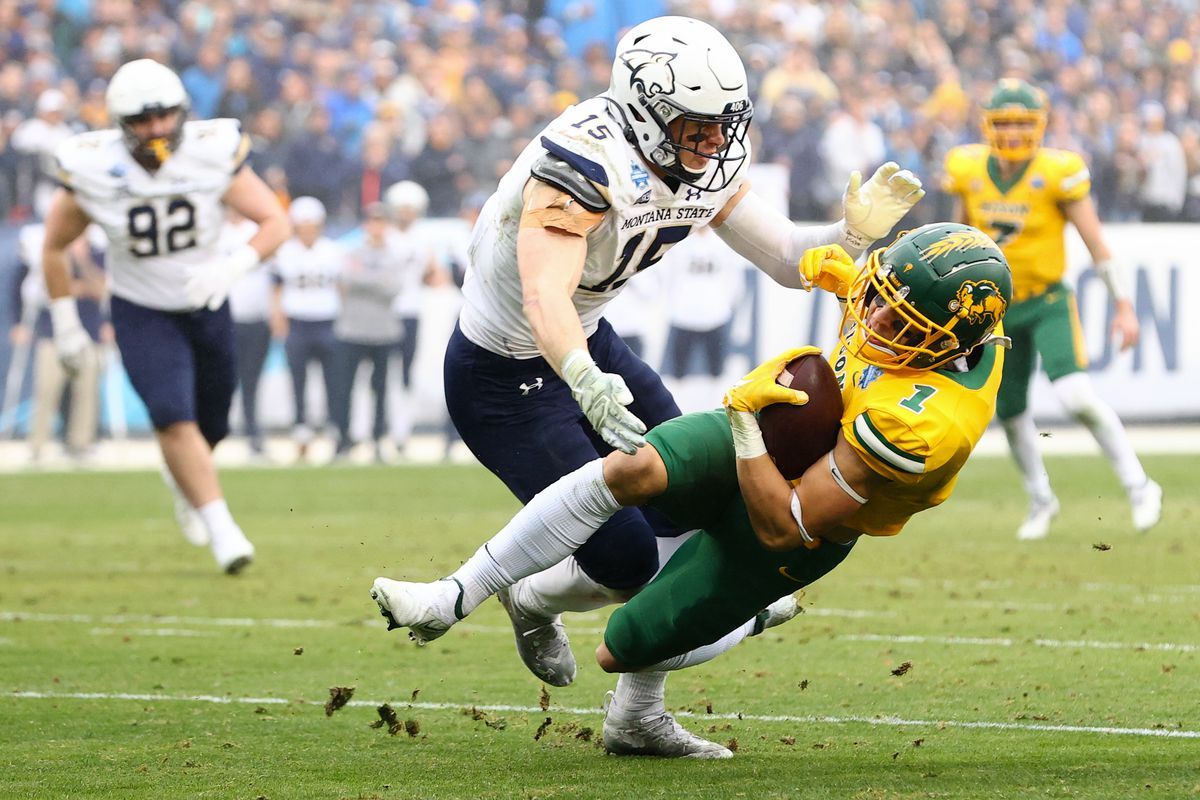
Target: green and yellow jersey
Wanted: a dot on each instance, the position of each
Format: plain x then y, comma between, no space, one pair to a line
914,427
1024,215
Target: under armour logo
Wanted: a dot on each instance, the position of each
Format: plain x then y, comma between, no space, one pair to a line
527,388
692,194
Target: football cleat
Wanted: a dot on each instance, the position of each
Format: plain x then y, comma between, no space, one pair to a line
233,551
1037,522
423,608
657,734
779,612
541,642
1147,505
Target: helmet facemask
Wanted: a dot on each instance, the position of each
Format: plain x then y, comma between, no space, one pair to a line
152,152
689,134
918,343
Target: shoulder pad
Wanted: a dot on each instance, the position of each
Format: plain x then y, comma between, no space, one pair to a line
556,171
219,142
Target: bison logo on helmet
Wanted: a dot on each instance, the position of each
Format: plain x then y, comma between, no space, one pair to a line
651,72
979,301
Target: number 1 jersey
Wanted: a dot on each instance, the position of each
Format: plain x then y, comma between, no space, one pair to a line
161,224
646,217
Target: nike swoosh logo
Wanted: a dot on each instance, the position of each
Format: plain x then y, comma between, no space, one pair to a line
784,572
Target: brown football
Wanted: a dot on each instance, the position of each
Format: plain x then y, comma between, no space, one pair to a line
796,436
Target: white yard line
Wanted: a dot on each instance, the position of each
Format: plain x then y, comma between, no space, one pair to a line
801,719
1179,647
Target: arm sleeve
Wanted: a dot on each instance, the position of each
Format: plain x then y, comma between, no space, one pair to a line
766,238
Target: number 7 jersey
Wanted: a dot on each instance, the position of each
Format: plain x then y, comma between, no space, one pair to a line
646,217
161,224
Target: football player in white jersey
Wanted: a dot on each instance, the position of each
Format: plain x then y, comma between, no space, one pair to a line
157,184
536,381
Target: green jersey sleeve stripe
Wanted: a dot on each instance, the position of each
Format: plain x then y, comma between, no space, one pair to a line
877,444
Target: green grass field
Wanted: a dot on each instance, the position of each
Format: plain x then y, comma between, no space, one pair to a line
129,668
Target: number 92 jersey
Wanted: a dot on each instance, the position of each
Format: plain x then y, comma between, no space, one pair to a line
646,217
914,427
160,224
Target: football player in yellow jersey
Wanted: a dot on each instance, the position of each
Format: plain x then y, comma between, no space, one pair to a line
1023,195
919,381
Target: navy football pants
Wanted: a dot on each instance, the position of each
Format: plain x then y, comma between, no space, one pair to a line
519,419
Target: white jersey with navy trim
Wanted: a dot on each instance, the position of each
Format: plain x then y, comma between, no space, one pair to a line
647,216
309,277
161,224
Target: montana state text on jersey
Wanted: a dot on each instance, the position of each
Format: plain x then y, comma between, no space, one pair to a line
1025,218
914,427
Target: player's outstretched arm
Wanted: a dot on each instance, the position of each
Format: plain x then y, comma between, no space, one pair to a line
208,284
773,243
65,222
551,250
1082,214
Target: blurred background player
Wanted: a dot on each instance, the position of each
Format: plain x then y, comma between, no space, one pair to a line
304,305
366,328
1023,195
704,283
417,265
33,330
537,383
919,365
250,306
156,184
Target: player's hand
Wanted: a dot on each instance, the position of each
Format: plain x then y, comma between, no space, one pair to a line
872,209
603,397
830,268
761,387
208,284
71,341
1125,327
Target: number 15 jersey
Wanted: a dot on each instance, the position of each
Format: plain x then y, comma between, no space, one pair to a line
160,224
646,217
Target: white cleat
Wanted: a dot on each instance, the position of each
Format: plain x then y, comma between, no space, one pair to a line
779,612
1037,523
541,642
1147,505
233,551
655,735
416,606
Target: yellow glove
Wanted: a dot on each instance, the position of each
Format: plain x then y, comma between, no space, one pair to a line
830,268
760,388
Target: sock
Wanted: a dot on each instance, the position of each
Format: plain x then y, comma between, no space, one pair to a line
1022,442
638,695
217,518
707,652
564,587
1078,396
552,526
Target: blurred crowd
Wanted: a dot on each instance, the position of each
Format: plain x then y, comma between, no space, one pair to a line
345,98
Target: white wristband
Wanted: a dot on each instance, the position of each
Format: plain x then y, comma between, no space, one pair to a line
747,436
64,314
1113,275
243,259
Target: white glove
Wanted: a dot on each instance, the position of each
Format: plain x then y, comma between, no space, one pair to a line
71,341
871,210
603,397
209,284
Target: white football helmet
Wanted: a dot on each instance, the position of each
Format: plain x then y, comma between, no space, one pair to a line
669,67
142,87
406,195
